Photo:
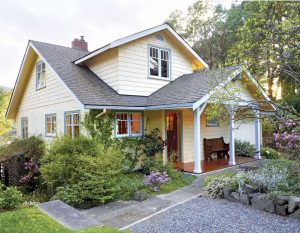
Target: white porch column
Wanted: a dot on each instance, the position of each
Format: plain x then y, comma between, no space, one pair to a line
197,147
231,138
257,134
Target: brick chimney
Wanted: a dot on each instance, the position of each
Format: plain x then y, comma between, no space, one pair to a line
80,44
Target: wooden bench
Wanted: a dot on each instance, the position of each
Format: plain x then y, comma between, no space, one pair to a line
215,145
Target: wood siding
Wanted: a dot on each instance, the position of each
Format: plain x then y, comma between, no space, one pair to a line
35,104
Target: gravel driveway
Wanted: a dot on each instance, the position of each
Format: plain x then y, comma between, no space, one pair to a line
209,215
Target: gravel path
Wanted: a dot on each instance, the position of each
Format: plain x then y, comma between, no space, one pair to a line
216,215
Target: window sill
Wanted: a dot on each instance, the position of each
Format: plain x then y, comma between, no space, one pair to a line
128,136
40,88
159,78
50,135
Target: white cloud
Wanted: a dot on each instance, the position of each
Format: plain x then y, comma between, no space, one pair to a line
60,21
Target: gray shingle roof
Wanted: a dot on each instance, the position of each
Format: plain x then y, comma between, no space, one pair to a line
92,90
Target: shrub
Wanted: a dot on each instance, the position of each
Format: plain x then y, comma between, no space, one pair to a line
208,179
80,176
10,198
129,184
33,147
216,186
244,148
155,179
270,153
152,143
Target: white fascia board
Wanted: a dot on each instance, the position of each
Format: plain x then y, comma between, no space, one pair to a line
18,79
140,35
221,85
63,83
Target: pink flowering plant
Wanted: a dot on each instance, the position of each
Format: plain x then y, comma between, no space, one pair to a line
155,180
31,180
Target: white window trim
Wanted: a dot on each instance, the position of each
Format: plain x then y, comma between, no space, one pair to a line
129,134
46,125
169,78
72,113
36,75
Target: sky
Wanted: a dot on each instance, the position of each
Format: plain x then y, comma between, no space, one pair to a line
60,21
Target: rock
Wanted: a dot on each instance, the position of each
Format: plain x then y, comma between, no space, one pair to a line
228,195
294,202
296,214
262,202
281,200
244,198
235,195
281,209
250,189
139,196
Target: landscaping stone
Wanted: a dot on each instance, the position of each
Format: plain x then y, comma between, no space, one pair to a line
281,209
235,196
294,203
139,196
281,200
296,214
262,202
67,215
250,189
244,198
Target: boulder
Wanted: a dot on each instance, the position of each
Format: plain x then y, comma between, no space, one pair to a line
296,214
263,202
250,189
236,196
139,196
281,209
294,203
281,200
244,198
228,195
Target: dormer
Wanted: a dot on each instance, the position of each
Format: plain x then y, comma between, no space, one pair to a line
144,62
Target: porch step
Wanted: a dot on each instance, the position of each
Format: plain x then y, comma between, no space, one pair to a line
67,215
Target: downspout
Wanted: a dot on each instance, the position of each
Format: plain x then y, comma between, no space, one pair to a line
102,113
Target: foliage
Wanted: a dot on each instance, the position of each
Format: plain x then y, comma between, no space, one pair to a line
31,181
156,179
85,174
277,175
216,186
5,125
129,183
270,153
32,220
99,127
131,149
10,198
208,179
33,147
244,148
152,143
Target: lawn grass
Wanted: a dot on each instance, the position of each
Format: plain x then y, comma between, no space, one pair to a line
32,220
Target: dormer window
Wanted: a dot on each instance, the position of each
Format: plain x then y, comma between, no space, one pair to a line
159,62
40,75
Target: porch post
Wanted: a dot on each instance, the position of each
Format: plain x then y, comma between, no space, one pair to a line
257,134
197,150
231,137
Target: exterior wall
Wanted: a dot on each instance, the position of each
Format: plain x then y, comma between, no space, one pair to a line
35,104
187,135
106,67
125,68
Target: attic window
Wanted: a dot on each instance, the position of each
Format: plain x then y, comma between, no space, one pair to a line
159,62
159,37
40,75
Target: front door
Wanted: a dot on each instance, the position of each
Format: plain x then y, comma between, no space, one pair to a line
172,123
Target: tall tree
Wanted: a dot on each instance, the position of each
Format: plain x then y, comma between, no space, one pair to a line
5,125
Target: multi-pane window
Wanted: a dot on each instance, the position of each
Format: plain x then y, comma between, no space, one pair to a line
128,124
72,124
50,125
159,62
24,127
40,75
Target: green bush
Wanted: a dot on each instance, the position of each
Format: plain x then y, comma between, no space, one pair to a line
129,184
33,147
216,185
82,175
152,143
244,148
270,153
10,198
208,179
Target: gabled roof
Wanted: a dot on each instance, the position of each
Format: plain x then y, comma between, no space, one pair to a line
138,35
